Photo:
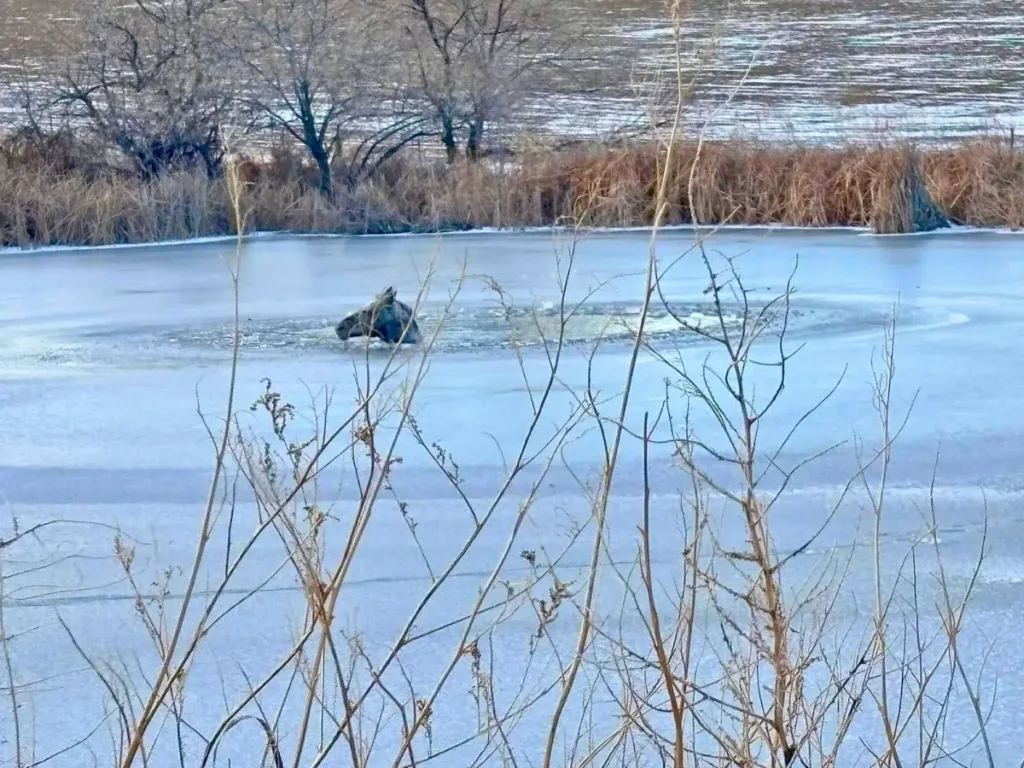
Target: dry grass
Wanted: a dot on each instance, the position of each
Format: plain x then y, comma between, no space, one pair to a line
57,198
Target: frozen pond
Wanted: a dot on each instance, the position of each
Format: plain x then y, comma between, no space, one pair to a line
104,353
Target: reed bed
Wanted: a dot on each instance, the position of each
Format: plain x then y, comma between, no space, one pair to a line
62,198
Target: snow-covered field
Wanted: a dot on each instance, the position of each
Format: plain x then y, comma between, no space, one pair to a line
833,71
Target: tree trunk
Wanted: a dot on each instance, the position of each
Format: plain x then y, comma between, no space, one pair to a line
311,136
323,165
476,135
448,139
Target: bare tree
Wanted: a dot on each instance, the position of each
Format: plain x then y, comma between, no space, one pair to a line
147,77
315,71
468,60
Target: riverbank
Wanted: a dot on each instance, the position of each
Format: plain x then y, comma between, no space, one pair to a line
48,200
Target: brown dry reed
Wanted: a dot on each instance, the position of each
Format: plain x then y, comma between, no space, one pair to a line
59,198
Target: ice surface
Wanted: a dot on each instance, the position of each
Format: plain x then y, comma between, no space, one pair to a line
104,352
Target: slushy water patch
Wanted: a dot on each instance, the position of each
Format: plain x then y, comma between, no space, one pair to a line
498,327
463,328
